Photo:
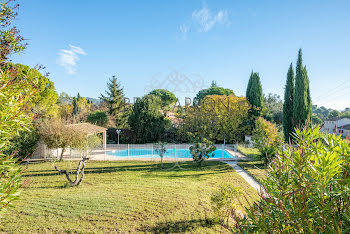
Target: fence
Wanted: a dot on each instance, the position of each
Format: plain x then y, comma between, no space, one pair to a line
130,151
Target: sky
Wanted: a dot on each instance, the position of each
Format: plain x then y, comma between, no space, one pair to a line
184,45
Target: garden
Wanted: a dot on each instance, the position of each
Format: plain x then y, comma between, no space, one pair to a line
303,171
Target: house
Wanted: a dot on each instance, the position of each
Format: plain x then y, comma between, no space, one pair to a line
174,120
338,126
344,130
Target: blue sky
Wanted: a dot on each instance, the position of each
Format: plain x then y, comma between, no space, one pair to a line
187,44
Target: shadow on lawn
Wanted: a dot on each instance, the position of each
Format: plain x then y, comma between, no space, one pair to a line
179,226
208,167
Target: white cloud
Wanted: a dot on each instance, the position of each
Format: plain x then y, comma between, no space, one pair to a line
203,20
68,58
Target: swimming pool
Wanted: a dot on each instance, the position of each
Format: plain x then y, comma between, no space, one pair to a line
170,153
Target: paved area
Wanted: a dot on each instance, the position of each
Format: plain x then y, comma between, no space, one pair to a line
250,180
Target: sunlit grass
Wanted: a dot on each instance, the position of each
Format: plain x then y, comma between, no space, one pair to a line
123,196
249,151
256,169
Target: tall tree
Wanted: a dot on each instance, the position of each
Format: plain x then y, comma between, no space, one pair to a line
167,97
288,104
302,100
114,99
254,94
146,121
213,90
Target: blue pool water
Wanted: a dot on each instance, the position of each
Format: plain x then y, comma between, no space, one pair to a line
180,153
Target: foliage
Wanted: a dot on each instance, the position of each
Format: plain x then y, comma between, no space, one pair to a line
146,120
288,122
213,90
324,113
273,108
15,94
217,118
116,105
80,108
302,108
254,94
24,144
202,151
87,144
43,101
160,149
55,135
316,119
224,202
308,188
266,138
166,96
99,118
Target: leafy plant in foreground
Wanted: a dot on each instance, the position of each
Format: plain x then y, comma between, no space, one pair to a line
308,188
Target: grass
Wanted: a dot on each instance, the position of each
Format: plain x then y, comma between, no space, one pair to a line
256,169
121,196
248,151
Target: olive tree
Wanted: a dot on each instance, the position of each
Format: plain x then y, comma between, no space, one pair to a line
160,149
202,151
56,135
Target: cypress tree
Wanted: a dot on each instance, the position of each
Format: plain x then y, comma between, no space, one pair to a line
309,103
114,99
302,99
288,104
254,94
75,106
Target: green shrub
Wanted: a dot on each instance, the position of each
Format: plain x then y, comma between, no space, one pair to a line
266,138
202,151
99,118
224,202
308,188
24,144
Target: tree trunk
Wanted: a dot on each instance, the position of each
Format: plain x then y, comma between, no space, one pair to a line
161,162
79,172
61,157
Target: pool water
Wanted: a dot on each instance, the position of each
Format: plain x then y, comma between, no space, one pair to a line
170,153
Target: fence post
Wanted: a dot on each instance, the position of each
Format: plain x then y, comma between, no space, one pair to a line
175,151
128,151
152,153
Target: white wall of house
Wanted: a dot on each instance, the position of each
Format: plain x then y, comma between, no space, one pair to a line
331,126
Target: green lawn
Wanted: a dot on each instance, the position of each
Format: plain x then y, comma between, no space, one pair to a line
124,196
255,169
249,152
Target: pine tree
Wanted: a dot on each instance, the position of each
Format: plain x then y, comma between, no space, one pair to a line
254,94
114,99
288,104
302,100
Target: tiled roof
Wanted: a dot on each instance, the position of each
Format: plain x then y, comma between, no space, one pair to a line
345,127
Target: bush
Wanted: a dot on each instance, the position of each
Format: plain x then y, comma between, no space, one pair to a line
266,139
24,144
99,118
202,151
308,188
224,203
